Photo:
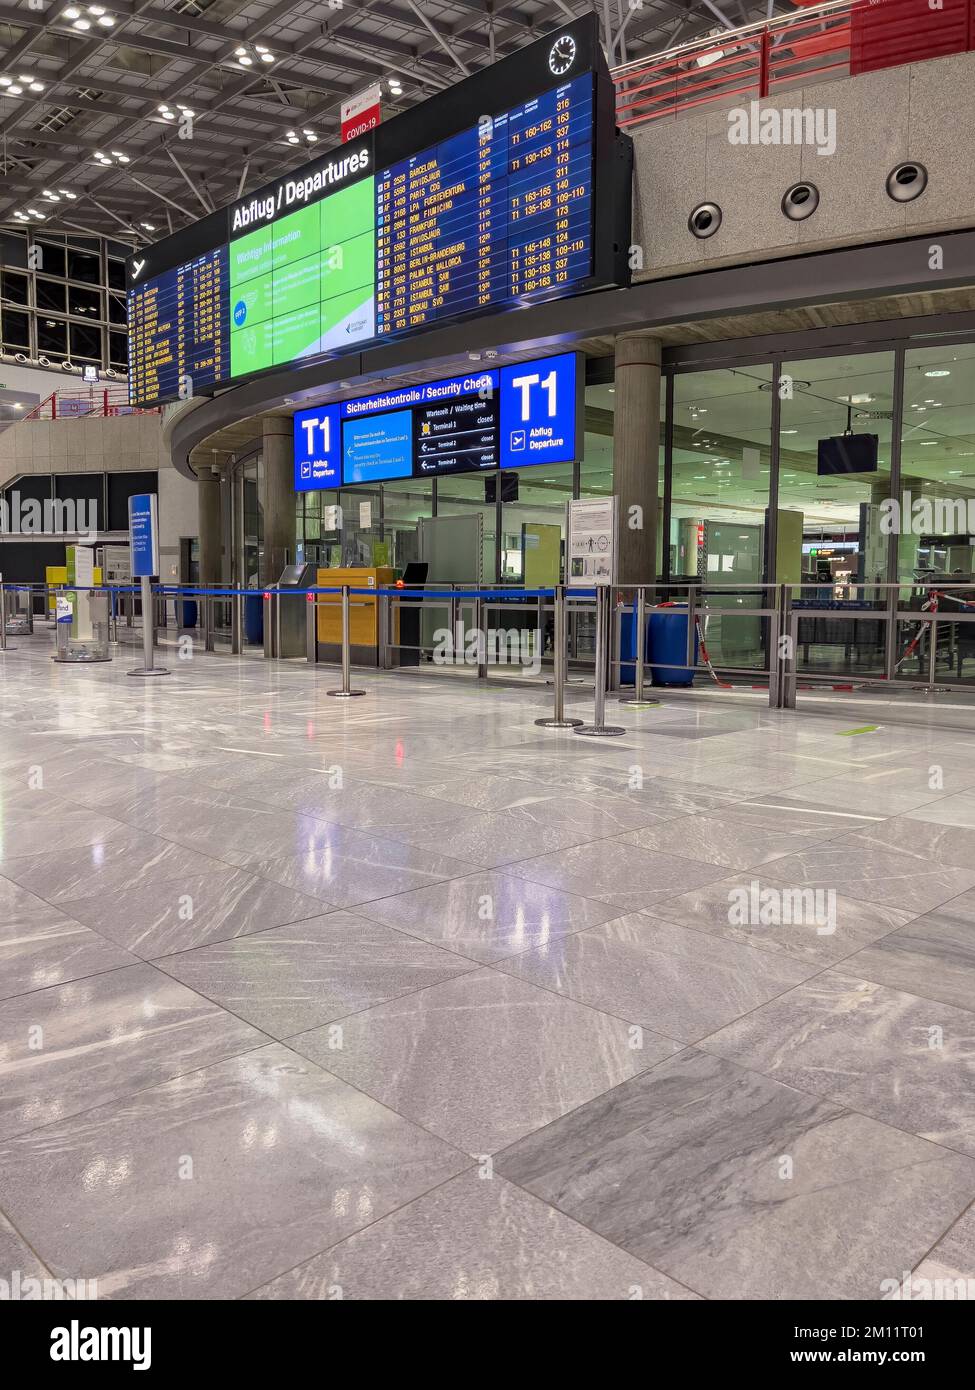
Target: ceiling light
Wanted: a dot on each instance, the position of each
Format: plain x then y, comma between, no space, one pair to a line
68,194
5,81
37,86
240,52
267,57
14,89
940,371
72,13
81,24
245,61
96,9
149,226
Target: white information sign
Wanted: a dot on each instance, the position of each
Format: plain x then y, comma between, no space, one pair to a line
591,542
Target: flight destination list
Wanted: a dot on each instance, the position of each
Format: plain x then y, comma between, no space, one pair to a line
178,328
498,213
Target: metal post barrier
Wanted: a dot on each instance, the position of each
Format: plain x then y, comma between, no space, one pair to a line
3,619
311,629
382,632
208,643
148,634
480,665
639,652
599,728
346,692
236,624
560,664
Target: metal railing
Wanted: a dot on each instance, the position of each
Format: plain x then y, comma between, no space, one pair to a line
99,402
786,638
821,41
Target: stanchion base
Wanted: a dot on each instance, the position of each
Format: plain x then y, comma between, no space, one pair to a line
344,694
7,647
155,671
83,661
558,723
605,731
633,700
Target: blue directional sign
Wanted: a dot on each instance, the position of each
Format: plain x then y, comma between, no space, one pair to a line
542,412
318,448
144,535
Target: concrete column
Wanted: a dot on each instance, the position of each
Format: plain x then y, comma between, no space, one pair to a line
278,497
210,530
636,437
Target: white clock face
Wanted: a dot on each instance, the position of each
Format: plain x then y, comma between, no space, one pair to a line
562,54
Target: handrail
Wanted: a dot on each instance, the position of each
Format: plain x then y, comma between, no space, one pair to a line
102,402
813,42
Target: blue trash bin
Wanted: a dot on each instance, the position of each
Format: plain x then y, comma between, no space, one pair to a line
628,646
667,645
187,612
254,618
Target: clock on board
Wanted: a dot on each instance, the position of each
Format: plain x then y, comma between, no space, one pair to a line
562,54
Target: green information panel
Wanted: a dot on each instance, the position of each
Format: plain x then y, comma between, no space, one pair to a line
305,284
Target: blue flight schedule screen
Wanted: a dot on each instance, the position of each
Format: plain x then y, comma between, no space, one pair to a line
499,213
178,329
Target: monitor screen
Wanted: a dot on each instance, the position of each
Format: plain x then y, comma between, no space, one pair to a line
848,453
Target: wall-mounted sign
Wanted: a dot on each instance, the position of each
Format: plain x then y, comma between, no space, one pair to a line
521,415
144,535
317,448
541,412
361,113
510,188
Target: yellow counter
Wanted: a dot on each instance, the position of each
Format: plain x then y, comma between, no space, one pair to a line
364,612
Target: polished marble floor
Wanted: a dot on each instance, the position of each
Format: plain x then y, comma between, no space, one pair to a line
405,997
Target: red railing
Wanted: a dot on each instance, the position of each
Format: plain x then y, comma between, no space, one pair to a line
839,38
98,401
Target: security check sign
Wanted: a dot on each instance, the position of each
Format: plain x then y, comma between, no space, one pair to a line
590,551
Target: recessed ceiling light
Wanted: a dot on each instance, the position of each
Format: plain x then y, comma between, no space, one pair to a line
82,24
245,60
37,86
938,371
14,89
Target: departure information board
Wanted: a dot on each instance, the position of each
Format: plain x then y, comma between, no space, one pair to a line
494,214
178,328
457,207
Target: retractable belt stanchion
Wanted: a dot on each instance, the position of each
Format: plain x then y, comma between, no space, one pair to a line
639,653
147,633
559,665
346,692
599,728
3,619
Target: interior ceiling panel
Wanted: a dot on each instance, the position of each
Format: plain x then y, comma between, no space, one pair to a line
158,53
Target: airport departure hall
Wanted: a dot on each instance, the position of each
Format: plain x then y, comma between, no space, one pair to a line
487,668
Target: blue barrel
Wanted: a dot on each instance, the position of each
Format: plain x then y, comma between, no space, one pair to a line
668,646
628,645
254,618
186,612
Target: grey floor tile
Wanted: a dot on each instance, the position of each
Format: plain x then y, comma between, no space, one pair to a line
475,1239
939,844
952,1260
128,860
889,877
297,977
18,1263
484,1058
724,840
216,1182
760,910
183,913
487,915
933,956
903,1060
956,810
345,867
625,876
665,977
43,950
78,1045
742,1188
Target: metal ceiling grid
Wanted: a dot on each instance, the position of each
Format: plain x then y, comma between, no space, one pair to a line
103,89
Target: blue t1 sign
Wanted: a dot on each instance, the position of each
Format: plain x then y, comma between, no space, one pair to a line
318,448
542,412
144,535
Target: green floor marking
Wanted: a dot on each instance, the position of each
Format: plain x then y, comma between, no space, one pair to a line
863,729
